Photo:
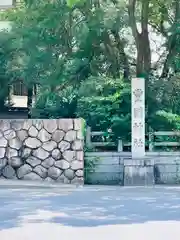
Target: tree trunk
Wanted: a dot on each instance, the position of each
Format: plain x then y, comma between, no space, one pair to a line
123,57
143,64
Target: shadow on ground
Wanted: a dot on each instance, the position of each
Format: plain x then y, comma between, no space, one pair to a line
89,206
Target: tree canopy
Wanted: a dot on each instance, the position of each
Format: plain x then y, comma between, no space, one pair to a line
82,55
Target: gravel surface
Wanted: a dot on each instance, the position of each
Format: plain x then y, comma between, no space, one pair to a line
55,212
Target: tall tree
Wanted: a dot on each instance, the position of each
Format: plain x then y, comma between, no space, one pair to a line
61,45
143,62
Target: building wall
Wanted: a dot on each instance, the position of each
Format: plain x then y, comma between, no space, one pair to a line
19,101
49,150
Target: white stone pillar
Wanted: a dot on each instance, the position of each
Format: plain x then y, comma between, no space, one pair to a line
138,118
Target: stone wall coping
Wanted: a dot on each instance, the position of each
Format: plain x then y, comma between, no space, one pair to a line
128,154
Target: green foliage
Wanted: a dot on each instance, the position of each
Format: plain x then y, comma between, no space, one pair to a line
5,78
81,54
72,3
89,167
165,120
52,105
105,104
83,122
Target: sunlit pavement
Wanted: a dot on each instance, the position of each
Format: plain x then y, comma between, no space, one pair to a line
30,212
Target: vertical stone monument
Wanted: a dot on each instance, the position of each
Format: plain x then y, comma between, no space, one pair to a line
137,170
138,117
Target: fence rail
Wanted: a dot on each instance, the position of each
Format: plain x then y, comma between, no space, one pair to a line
153,140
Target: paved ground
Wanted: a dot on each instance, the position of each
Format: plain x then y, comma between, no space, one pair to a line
64,213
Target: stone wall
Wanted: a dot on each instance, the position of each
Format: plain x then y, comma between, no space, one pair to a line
119,168
50,150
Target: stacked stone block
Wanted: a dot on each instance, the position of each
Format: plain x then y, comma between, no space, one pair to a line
49,150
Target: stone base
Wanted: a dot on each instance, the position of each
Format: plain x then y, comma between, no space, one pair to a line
139,173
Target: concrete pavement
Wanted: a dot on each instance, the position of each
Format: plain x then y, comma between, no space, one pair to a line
98,212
